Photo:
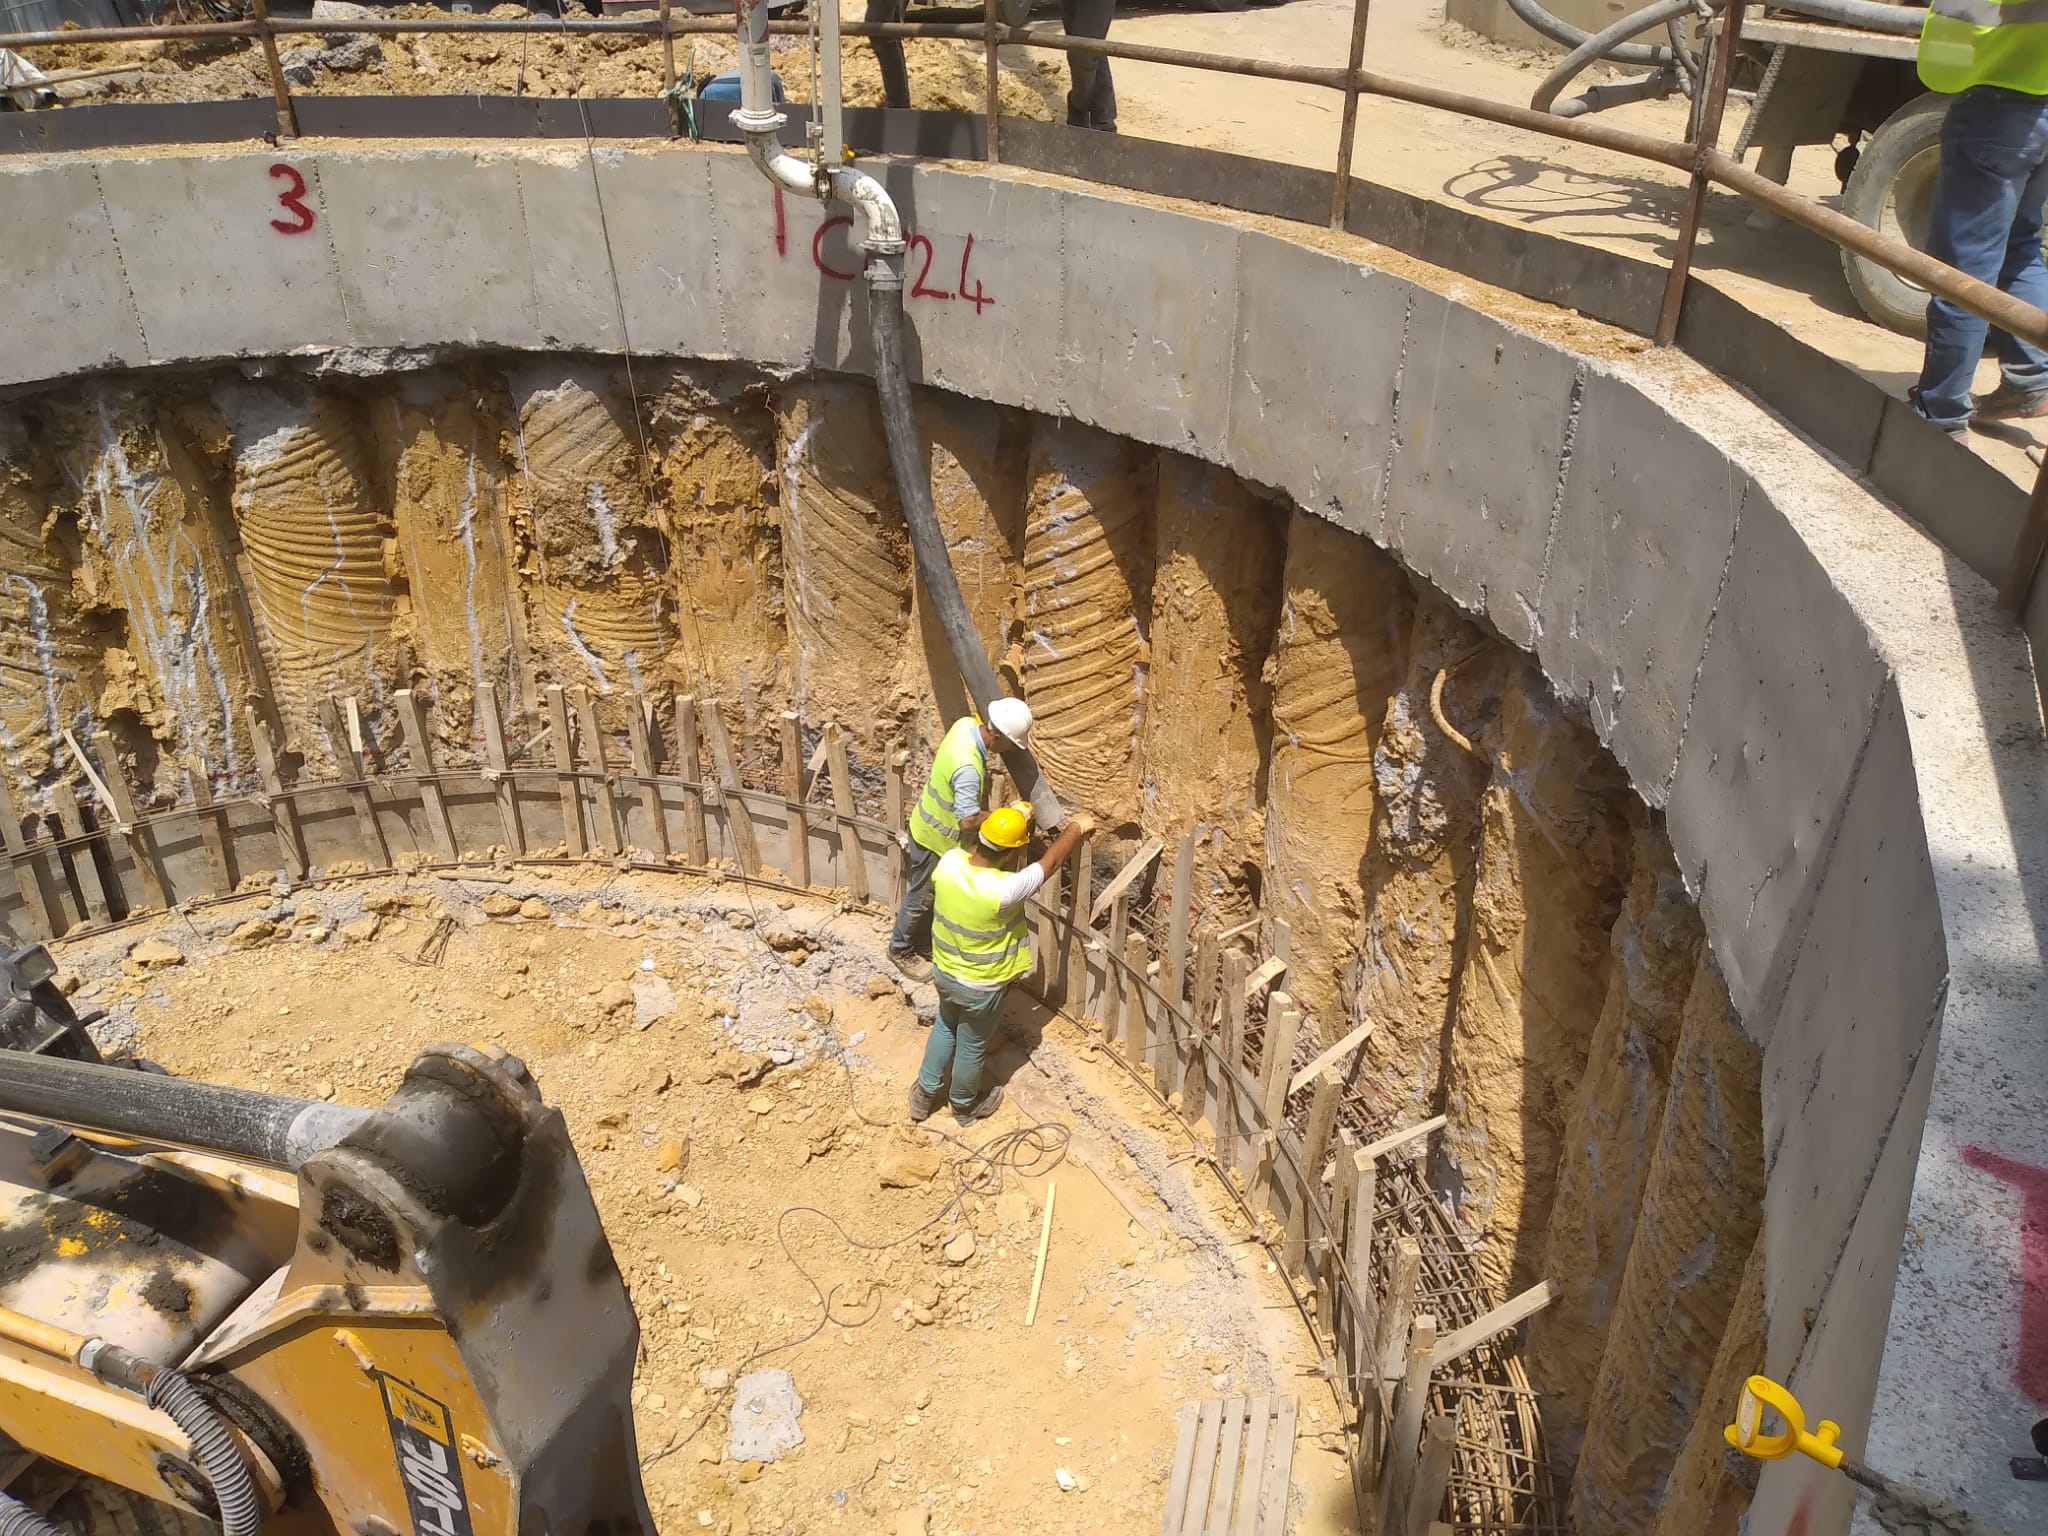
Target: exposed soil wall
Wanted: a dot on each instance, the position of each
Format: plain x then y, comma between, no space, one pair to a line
1456,857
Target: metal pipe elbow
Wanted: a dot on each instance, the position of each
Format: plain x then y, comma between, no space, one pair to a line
881,224
782,168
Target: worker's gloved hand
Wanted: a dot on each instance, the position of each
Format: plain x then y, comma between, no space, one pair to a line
1084,824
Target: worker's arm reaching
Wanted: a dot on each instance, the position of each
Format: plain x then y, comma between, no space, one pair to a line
1064,845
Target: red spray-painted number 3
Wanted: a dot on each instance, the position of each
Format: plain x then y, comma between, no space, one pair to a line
291,201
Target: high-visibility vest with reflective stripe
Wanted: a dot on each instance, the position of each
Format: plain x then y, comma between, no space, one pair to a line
1985,42
971,939
933,825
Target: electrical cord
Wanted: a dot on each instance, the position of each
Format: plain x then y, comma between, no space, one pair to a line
1029,1151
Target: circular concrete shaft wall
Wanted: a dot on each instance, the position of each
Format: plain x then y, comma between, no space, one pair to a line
1775,663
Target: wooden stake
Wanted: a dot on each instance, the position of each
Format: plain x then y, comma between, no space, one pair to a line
1173,974
28,868
689,764
1328,1249
1398,1306
1231,1050
417,743
1044,1242
1074,948
1315,1148
1112,1009
739,821
1130,872
211,835
850,855
141,845
565,764
1432,1477
1276,1057
640,742
899,856
1403,1446
1363,1176
605,807
503,786
1136,1026
81,864
348,744
798,863
1194,1082
284,814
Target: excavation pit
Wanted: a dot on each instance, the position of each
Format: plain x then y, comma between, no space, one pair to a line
1536,698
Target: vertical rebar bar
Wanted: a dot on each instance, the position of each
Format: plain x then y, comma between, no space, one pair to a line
1340,197
992,27
1696,193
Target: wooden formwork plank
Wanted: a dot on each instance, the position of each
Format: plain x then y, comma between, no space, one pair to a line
689,764
853,863
413,722
640,742
894,803
1279,1472
284,815
1432,1476
799,860
351,757
1258,1426
1315,1148
1404,1440
1183,1471
1122,882
1509,1314
739,820
1135,1024
1174,964
28,868
1201,1045
81,868
1401,1138
1217,1520
1308,1073
1074,947
1231,1048
212,834
1397,1306
1208,1432
604,804
498,761
565,766
1269,971
121,802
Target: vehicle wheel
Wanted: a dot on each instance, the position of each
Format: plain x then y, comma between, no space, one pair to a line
1892,190
86,1506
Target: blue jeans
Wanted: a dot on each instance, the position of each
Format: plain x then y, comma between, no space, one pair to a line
1987,222
913,931
959,1039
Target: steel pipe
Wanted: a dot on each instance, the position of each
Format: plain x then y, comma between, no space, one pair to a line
172,1111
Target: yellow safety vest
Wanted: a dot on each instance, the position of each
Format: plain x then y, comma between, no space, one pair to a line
1985,42
971,939
934,826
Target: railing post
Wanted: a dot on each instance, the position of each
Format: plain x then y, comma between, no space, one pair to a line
1696,193
668,73
992,30
1340,198
287,119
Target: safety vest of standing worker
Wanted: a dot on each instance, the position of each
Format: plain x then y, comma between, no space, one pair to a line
949,812
980,945
1985,42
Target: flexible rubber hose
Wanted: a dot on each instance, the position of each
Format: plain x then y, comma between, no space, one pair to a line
17,1519
927,540
1656,84
213,1444
1605,44
1565,35
1871,15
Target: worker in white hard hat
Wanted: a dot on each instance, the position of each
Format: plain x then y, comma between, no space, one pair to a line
947,814
980,944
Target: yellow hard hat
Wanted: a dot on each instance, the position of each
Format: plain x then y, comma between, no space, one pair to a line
1006,827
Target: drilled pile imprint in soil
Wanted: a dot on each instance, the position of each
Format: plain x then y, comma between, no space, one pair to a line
1372,779
926,1392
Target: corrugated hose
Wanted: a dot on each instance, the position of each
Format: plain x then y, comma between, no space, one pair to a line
213,1443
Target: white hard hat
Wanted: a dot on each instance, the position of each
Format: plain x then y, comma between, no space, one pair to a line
1013,718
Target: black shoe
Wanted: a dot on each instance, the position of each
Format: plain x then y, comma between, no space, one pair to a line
922,1104
990,1101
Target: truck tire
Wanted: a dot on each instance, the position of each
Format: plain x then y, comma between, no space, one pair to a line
1892,190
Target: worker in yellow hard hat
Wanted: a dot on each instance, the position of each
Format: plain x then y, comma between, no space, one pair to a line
948,814
980,944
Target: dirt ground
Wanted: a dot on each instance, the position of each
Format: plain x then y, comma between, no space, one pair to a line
928,1405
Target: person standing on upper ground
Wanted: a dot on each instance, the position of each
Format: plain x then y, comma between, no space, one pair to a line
1991,56
1092,101
980,944
947,814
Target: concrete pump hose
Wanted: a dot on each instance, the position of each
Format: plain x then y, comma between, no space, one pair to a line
213,1444
1606,44
1565,35
927,540
17,1519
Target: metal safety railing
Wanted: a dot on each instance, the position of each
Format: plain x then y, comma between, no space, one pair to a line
1701,159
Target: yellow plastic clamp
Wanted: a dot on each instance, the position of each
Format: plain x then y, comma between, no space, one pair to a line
1748,1436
